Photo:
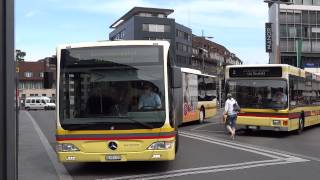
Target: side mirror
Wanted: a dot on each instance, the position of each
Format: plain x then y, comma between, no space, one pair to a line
176,78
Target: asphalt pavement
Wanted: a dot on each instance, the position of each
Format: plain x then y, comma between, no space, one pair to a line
206,152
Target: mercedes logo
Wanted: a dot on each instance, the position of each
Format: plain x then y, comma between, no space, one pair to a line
113,145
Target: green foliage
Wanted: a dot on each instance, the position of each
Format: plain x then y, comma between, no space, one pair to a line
20,55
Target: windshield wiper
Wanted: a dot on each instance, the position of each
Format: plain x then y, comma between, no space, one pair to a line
146,125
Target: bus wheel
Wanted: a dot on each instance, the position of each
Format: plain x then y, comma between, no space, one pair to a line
301,126
177,143
27,108
201,116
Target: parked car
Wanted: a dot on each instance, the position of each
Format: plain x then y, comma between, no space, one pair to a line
41,103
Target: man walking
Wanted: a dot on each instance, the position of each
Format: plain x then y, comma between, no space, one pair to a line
230,111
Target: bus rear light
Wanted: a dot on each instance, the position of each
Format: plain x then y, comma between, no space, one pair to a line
285,123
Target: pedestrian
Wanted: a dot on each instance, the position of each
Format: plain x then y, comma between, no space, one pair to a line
231,110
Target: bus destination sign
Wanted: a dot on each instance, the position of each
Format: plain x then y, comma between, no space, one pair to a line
256,72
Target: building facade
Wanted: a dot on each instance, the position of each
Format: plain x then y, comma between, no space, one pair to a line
212,58
298,25
31,77
142,23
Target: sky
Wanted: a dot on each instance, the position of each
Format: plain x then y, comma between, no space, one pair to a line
42,25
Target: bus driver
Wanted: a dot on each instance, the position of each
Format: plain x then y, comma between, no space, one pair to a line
280,97
149,100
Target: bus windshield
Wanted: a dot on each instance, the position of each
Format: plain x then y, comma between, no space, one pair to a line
112,87
260,94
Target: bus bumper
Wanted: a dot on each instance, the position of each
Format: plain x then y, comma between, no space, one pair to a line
148,155
269,128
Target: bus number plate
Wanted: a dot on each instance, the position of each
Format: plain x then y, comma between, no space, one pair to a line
113,157
252,127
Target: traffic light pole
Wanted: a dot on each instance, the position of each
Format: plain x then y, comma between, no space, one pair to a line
8,121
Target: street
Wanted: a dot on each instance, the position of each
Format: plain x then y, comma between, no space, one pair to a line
206,152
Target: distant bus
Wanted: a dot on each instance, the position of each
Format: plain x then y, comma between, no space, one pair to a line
274,97
199,96
100,114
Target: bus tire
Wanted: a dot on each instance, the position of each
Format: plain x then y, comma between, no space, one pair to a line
201,115
301,126
27,108
177,143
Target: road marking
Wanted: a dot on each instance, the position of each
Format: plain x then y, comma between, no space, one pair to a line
60,169
241,146
208,131
206,171
204,125
267,148
188,170
277,159
232,145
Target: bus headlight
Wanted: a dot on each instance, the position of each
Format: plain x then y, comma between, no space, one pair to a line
64,147
161,145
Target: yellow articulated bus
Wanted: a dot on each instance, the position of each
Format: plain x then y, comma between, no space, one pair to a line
274,97
115,102
199,96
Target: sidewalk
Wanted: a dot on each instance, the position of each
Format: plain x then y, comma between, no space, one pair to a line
33,160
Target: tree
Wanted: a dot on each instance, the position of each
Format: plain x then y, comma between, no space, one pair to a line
20,55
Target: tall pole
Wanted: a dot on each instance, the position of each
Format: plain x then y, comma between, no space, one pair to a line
8,122
220,86
274,12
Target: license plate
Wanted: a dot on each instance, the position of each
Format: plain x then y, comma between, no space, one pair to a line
113,157
252,127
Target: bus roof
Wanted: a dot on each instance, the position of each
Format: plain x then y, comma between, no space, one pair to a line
114,43
195,71
291,69
261,65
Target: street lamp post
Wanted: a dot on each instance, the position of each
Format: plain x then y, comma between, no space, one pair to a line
219,70
203,52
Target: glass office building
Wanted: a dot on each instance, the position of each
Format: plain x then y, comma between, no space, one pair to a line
300,22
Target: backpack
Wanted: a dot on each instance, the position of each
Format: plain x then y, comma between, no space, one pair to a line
236,107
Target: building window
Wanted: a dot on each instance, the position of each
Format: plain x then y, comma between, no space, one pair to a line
297,1
161,16
119,35
145,14
292,32
35,94
316,2
44,95
31,95
41,74
155,28
283,31
307,2
28,74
